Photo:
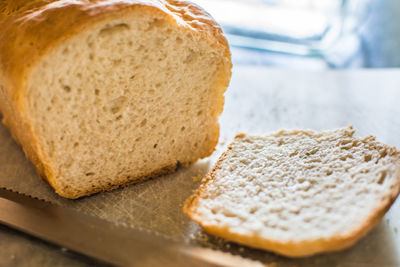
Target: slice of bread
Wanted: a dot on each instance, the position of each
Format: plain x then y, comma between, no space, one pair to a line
298,192
105,93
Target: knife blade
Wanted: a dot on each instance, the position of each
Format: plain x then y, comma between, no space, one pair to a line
103,240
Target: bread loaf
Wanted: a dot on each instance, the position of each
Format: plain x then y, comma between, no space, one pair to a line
104,93
298,192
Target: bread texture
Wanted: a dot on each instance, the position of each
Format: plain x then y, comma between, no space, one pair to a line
298,192
105,93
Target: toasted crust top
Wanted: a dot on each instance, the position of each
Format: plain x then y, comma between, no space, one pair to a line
31,27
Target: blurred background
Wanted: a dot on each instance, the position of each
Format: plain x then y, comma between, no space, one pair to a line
310,34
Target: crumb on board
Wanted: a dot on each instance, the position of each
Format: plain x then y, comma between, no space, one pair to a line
202,237
196,178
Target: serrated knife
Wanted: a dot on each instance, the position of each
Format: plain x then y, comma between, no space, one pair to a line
103,240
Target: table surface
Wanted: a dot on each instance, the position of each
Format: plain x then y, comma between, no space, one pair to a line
258,100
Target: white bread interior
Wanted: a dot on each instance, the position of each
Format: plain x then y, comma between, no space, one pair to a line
298,193
125,99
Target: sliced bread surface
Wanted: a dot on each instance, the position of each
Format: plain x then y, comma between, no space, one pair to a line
109,92
298,192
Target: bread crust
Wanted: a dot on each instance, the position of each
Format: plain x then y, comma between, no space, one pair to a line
292,249
31,28
120,182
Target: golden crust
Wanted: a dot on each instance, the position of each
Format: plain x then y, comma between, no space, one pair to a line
292,249
31,27
122,182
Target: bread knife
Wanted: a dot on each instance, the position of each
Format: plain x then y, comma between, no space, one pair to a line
106,241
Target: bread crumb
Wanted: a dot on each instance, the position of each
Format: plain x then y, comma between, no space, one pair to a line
196,178
202,237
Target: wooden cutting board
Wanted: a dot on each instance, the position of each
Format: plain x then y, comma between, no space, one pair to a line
258,100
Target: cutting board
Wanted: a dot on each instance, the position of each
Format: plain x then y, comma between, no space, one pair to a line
258,100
